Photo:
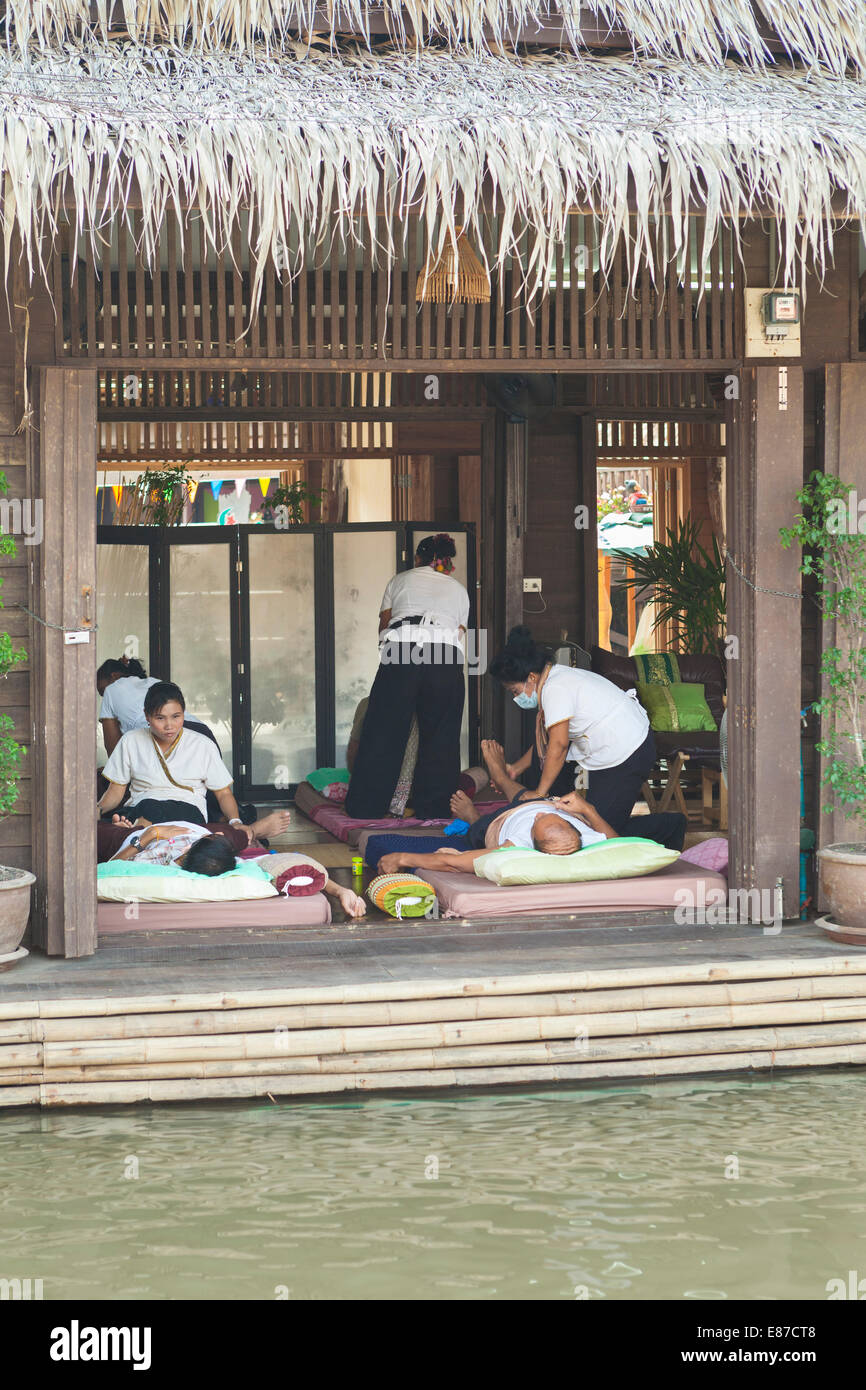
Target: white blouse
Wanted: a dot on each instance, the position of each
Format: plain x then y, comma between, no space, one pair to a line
194,761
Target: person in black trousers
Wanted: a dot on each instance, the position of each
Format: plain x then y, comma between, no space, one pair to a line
423,618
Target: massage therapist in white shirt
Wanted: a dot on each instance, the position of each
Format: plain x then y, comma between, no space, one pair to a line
422,622
582,721
169,769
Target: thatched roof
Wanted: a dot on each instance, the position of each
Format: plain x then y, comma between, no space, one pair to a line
828,33
310,144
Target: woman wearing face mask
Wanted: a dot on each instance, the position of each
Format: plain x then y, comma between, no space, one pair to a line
582,721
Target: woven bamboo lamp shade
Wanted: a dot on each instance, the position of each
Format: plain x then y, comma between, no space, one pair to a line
457,277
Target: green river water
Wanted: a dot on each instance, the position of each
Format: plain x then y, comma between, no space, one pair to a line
749,1188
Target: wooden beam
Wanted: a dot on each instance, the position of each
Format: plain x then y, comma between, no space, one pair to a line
292,414
307,364
588,535
63,597
765,470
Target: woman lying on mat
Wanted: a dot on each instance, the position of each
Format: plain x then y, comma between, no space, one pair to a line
202,851
169,769
561,826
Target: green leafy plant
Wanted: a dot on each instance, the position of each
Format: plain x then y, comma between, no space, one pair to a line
11,752
157,497
834,552
287,501
687,584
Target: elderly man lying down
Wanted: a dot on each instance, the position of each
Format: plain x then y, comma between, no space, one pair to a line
561,826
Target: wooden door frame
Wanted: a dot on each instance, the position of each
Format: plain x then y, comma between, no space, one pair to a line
764,472
61,473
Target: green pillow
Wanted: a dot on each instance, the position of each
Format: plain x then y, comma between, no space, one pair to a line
324,776
625,857
676,708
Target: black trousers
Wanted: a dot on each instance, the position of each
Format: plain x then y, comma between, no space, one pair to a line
164,812
562,784
424,680
613,791
667,828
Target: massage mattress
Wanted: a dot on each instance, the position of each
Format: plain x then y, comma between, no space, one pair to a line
464,895
330,816
263,913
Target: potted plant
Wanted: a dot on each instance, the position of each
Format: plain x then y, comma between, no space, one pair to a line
157,497
15,884
687,583
834,552
285,505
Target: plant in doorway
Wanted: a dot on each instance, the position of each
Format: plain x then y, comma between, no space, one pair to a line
834,553
687,583
14,883
156,498
285,505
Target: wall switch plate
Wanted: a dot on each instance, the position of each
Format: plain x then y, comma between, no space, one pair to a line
532,586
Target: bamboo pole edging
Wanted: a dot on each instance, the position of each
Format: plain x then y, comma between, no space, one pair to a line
112,1093
546,982
423,1059
380,1013
343,1040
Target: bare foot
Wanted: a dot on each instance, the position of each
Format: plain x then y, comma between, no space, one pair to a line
272,824
494,758
463,808
123,821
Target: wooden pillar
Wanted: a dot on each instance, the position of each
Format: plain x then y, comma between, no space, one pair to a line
764,678
62,464
515,480
488,569
588,535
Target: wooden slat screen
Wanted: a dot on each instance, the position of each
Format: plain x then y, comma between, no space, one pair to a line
343,307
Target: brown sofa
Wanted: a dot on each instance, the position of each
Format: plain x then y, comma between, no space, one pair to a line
702,749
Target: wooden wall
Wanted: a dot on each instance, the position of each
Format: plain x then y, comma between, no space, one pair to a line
15,848
551,550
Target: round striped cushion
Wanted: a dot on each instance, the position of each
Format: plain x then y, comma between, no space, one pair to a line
401,895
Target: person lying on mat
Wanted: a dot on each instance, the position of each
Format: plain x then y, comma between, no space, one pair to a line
563,826
169,769
202,851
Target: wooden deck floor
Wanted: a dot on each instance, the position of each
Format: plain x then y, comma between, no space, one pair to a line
384,1005
198,962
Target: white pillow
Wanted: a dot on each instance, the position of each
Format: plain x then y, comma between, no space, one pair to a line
184,888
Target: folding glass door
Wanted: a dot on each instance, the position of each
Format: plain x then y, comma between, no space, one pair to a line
271,635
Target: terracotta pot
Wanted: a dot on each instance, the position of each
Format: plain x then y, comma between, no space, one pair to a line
14,907
842,882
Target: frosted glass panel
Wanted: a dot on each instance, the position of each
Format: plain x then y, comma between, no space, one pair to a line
122,621
459,539
122,598
200,636
364,561
282,658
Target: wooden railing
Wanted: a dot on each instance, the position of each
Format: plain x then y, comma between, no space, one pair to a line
342,308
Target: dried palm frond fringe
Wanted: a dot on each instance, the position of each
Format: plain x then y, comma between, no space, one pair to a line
828,33
326,148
